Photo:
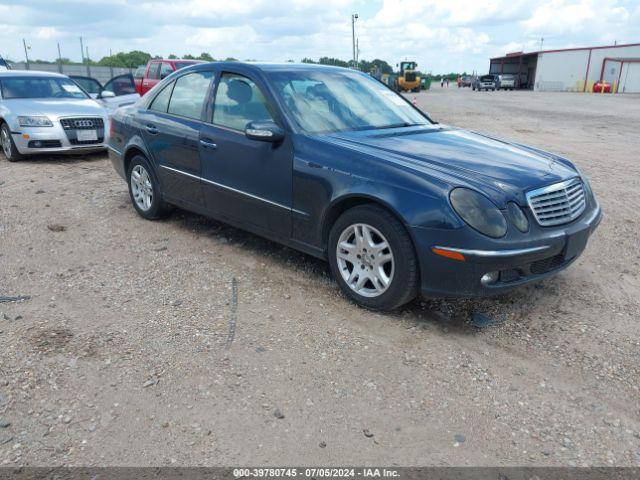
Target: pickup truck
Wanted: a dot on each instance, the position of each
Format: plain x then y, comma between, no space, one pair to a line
156,70
486,82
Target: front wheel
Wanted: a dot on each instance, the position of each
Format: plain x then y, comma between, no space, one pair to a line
144,190
8,146
372,258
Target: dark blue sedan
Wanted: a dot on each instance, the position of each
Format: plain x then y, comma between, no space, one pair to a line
333,163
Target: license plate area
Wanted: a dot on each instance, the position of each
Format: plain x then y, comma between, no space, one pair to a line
87,135
576,243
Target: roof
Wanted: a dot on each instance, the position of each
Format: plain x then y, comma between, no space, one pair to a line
30,73
536,52
269,67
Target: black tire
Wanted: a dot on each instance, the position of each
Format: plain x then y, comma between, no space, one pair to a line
404,282
12,154
158,208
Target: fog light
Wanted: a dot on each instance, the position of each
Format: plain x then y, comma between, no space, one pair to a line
490,278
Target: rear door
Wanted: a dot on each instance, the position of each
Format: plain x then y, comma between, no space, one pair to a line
247,180
171,128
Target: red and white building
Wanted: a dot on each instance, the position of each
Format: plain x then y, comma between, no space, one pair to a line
574,69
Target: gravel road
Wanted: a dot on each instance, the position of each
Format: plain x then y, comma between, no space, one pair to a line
187,342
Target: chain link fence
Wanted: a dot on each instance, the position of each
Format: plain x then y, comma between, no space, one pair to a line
102,74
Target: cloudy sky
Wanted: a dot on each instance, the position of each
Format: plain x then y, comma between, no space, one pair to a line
442,35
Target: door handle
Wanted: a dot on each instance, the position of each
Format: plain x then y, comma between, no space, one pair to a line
208,144
152,130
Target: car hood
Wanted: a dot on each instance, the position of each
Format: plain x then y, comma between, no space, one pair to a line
500,169
55,108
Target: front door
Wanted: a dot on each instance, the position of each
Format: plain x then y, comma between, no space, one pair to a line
247,180
124,89
171,128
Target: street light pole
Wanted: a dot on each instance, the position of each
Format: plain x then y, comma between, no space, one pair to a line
59,59
26,54
354,17
88,67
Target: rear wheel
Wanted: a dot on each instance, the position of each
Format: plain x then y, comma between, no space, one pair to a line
372,258
8,146
144,190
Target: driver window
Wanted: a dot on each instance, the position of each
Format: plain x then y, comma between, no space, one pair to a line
154,71
165,70
238,102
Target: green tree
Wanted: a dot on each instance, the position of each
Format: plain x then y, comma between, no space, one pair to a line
206,57
131,59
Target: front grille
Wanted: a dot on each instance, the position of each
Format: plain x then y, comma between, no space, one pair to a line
558,203
82,123
71,125
410,77
547,264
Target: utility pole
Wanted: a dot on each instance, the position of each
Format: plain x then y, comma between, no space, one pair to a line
354,17
26,54
110,63
541,42
357,53
88,67
81,50
59,59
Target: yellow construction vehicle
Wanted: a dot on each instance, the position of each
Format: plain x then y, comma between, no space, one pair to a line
408,80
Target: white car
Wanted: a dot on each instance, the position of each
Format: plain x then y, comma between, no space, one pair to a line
42,112
118,92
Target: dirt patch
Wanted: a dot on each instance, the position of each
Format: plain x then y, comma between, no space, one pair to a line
122,355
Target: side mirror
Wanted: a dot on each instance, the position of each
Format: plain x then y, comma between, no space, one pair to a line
107,94
264,131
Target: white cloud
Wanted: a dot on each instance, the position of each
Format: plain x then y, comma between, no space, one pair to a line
442,35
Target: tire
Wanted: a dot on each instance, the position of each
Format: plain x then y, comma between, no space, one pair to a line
8,145
144,190
400,270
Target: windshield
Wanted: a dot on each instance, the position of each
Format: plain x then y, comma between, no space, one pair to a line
337,101
487,78
40,87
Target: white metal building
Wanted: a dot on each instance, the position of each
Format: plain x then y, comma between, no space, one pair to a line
574,69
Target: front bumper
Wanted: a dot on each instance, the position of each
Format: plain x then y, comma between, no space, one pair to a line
540,253
55,139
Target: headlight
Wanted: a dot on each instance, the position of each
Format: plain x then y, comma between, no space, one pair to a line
479,212
518,218
34,122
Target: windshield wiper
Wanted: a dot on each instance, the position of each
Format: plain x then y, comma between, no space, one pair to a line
399,125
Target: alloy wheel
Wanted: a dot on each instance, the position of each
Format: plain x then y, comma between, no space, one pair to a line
6,143
141,187
365,260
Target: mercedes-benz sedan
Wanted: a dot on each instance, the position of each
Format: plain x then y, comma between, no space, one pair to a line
332,162
42,112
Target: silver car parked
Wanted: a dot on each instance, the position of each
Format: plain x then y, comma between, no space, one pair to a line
42,112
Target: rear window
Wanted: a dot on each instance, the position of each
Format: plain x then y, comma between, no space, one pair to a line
487,78
40,87
180,65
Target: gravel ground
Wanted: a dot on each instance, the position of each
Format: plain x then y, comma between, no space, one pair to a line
188,342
